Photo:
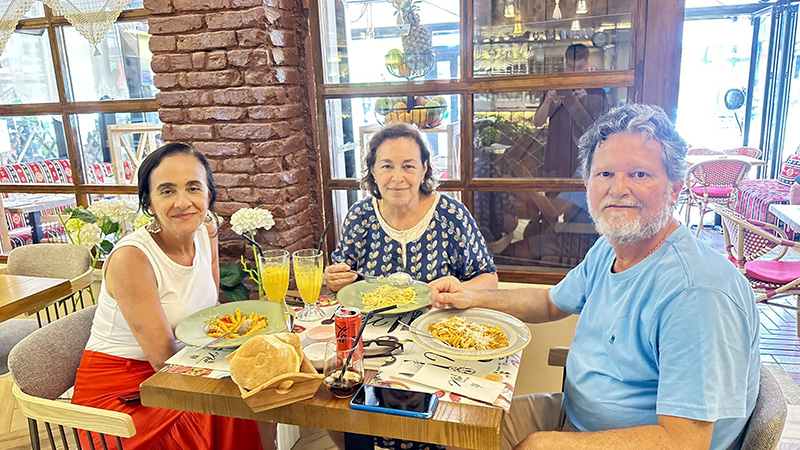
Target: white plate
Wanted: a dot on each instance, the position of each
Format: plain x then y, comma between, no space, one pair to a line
350,295
517,332
191,330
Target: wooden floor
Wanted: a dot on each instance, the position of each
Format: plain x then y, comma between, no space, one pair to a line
779,344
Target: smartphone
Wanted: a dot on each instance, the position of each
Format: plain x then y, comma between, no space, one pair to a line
128,398
401,402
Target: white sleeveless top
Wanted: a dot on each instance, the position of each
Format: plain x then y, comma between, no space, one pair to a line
183,291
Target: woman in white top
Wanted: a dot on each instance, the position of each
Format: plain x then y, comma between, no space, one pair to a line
153,279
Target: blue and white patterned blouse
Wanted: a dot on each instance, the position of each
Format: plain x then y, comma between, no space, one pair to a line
445,242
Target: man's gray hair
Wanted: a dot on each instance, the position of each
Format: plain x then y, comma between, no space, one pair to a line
648,120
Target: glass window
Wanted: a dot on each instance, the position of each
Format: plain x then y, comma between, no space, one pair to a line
514,137
119,71
353,122
26,69
114,145
31,139
583,35
545,229
386,43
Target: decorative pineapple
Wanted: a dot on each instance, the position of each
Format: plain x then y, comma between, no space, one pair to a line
418,39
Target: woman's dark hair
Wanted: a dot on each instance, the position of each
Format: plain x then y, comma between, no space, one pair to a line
394,131
154,159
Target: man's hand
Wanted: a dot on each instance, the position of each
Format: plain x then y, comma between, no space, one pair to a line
338,276
448,291
579,93
550,96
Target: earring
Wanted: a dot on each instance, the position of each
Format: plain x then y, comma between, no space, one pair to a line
209,217
153,226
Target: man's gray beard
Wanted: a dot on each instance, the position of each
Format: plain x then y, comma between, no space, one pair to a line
632,232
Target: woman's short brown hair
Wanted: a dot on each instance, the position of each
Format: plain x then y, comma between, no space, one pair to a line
394,131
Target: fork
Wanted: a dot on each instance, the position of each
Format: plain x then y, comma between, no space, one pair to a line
241,329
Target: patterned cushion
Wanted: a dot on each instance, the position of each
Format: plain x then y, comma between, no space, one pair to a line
790,170
755,196
23,236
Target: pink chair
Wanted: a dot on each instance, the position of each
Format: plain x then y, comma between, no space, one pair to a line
713,181
744,151
746,241
703,151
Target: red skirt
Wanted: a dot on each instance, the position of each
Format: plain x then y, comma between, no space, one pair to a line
102,378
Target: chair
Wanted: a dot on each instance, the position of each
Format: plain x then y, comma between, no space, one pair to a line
765,425
713,181
748,240
59,346
744,151
73,262
703,151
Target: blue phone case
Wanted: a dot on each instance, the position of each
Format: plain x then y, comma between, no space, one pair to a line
397,412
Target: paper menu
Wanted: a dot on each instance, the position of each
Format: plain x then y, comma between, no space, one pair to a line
445,379
210,358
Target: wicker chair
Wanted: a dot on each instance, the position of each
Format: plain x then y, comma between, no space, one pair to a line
59,346
744,151
746,242
715,181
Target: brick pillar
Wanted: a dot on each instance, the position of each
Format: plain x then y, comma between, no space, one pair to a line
231,76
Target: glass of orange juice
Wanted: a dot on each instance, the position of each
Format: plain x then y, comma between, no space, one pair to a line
308,276
275,274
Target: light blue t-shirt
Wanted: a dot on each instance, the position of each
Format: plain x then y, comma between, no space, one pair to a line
677,334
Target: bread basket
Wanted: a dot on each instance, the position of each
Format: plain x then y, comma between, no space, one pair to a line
284,389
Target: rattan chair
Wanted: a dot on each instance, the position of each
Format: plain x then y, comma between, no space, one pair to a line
746,242
44,366
715,181
744,151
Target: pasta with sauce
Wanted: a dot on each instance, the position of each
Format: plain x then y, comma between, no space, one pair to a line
461,333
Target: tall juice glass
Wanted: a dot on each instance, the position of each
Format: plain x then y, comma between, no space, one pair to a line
275,274
308,276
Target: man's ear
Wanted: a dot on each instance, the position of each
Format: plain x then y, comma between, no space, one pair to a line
676,191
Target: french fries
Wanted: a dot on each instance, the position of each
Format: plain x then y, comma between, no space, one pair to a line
230,322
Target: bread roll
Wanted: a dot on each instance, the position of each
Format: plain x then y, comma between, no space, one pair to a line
293,340
263,358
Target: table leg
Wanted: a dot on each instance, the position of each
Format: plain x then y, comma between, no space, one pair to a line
358,441
35,221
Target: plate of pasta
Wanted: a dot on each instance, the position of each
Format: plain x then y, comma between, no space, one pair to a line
474,333
207,324
368,296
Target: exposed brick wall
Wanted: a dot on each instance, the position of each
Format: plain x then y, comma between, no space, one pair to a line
231,75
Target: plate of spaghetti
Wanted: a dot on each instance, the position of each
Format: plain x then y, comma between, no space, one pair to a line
368,296
207,324
474,333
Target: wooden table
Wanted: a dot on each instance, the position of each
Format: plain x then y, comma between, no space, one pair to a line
789,214
20,294
466,426
696,159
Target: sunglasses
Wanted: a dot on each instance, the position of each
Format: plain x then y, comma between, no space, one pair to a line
383,346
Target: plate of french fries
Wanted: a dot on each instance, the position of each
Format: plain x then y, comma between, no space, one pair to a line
208,324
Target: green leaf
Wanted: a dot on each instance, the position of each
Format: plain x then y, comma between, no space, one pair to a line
231,275
235,293
84,215
108,226
106,246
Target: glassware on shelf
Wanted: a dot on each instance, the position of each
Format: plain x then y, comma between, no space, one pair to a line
308,276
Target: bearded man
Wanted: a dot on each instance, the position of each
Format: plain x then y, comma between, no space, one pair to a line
665,353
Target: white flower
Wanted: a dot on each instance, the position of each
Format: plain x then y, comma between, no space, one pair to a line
90,235
116,210
251,219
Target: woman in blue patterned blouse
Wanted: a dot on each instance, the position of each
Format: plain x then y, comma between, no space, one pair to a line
406,226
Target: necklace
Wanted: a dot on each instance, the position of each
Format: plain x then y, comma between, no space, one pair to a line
664,238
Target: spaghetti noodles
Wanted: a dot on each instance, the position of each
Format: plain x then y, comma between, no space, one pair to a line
458,332
386,295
